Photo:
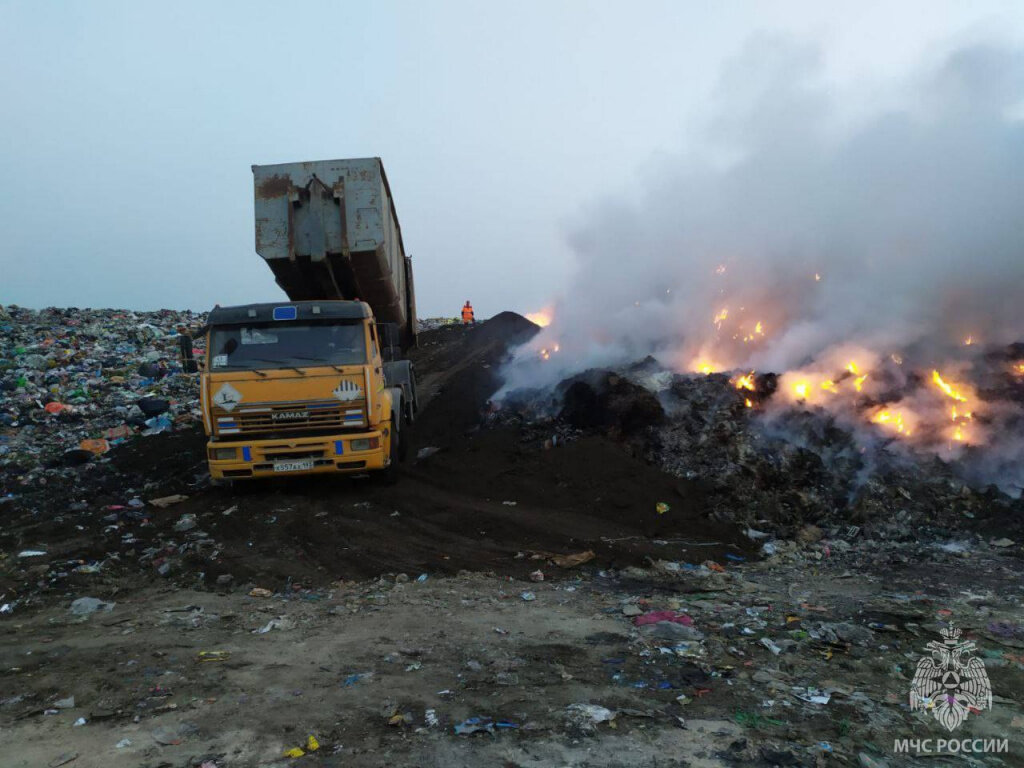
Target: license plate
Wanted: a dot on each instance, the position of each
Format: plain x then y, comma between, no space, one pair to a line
293,466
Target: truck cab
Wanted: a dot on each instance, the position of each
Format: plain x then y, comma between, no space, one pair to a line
303,387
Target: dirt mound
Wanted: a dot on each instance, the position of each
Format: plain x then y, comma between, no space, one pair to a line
458,368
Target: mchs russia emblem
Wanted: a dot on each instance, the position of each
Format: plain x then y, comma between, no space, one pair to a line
951,683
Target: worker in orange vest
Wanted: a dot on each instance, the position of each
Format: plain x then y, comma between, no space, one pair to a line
467,314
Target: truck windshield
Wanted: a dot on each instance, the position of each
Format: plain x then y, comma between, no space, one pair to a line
287,346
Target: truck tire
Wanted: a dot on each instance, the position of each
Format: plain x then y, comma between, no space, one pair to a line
389,475
412,402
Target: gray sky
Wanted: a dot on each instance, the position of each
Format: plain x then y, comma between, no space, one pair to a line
129,127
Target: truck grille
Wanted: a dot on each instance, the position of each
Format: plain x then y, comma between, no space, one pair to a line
292,417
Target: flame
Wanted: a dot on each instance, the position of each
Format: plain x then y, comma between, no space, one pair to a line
745,382
541,317
947,388
800,390
758,331
720,269
721,317
858,383
829,386
893,420
748,403
817,277
1019,368
968,341
704,365
852,368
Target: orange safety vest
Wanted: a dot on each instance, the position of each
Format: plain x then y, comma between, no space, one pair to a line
467,313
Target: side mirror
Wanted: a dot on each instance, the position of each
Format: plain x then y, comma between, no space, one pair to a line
188,360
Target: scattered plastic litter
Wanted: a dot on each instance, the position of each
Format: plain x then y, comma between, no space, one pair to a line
814,696
185,523
357,678
207,656
482,725
86,606
280,623
587,717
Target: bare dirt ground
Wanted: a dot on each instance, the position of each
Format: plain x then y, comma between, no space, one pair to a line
802,658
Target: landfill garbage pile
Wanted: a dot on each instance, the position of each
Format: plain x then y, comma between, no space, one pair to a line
145,510
433,323
799,468
536,590
75,383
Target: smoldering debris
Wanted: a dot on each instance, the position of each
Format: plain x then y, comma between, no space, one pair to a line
765,464
869,260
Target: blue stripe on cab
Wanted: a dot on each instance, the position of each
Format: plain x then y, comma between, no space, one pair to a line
339,447
247,453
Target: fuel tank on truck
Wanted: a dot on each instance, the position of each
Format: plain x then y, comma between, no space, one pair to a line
328,230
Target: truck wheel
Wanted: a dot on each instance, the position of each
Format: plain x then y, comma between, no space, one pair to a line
389,475
412,403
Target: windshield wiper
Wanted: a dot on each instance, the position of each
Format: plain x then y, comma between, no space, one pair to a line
319,360
257,371
289,367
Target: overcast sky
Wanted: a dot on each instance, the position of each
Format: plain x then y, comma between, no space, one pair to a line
128,128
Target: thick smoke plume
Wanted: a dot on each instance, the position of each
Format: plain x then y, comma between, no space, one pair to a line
804,236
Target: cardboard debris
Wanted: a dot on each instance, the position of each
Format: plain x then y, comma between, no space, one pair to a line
167,501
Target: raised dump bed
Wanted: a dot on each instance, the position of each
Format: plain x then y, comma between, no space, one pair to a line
328,230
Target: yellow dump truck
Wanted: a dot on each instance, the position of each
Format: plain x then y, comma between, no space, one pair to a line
317,383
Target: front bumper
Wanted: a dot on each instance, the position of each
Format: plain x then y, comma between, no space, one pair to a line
298,456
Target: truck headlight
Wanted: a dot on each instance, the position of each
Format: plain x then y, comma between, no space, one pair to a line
365,444
223,454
